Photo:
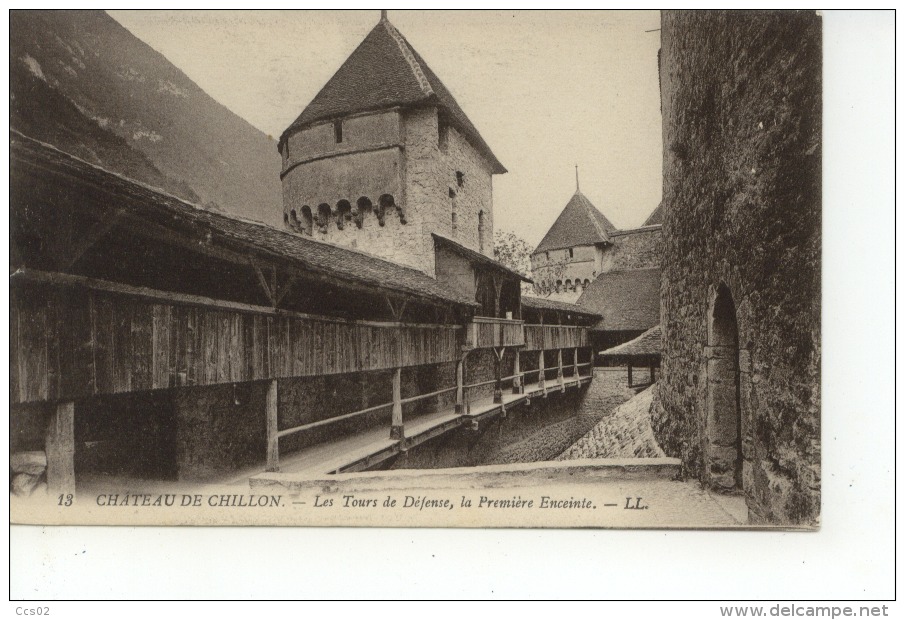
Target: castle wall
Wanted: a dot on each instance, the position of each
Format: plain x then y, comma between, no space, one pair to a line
638,249
397,154
582,265
456,272
345,176
368,164
222,429
741,100
430,178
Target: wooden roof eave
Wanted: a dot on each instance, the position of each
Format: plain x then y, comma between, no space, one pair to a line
239,252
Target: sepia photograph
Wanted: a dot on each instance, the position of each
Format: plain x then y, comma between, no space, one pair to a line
416,268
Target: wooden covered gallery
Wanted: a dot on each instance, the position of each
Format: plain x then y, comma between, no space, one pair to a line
643,351
153,339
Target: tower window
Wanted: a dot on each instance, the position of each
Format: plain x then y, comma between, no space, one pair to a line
460,178
571,253
338,131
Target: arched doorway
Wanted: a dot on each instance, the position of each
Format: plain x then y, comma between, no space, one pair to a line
723,431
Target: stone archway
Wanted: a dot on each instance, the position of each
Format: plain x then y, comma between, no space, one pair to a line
723,428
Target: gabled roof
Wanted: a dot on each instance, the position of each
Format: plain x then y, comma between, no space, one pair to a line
385,71
648,344
628,300
580,223
150,204
477,257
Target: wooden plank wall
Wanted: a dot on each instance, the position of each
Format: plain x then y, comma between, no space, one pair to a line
67,343
538,337
497,332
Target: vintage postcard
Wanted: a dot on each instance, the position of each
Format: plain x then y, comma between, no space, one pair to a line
416,268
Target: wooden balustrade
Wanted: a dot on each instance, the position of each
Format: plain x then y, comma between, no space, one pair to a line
548,337
72,338
488,332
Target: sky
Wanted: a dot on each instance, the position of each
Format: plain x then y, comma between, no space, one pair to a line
547,90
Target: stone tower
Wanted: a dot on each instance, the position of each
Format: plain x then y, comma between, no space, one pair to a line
383,157
570,255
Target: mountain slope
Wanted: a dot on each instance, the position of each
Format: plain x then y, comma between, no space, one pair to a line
84,83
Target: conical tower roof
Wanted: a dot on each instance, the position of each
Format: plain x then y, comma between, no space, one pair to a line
580,223
383,72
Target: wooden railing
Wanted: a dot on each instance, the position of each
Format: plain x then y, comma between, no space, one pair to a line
546,337
73,337
486,332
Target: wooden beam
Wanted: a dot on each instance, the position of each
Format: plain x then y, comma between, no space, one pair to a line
498,287
559,371
460,382
498,385
59,445
630,374
220,249
542,375
397,430
517,372
285,289
396,310
66,279
268,291
271,413
77,248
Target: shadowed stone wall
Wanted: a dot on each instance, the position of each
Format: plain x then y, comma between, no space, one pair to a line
741,102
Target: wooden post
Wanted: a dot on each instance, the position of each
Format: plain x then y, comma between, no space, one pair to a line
652,378
59,444
541,373
559,371
575,363
517,371
630,374
271,410
498,386
397,431
460,385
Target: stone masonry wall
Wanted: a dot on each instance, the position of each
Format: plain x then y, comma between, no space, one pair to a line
430,174
741,101
222,428
391,153
367,164
574,270
639,249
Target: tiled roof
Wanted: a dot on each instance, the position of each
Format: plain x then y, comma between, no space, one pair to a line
540,303
648,344
385,71
656,217
477,257
628,300
336,262
580,223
